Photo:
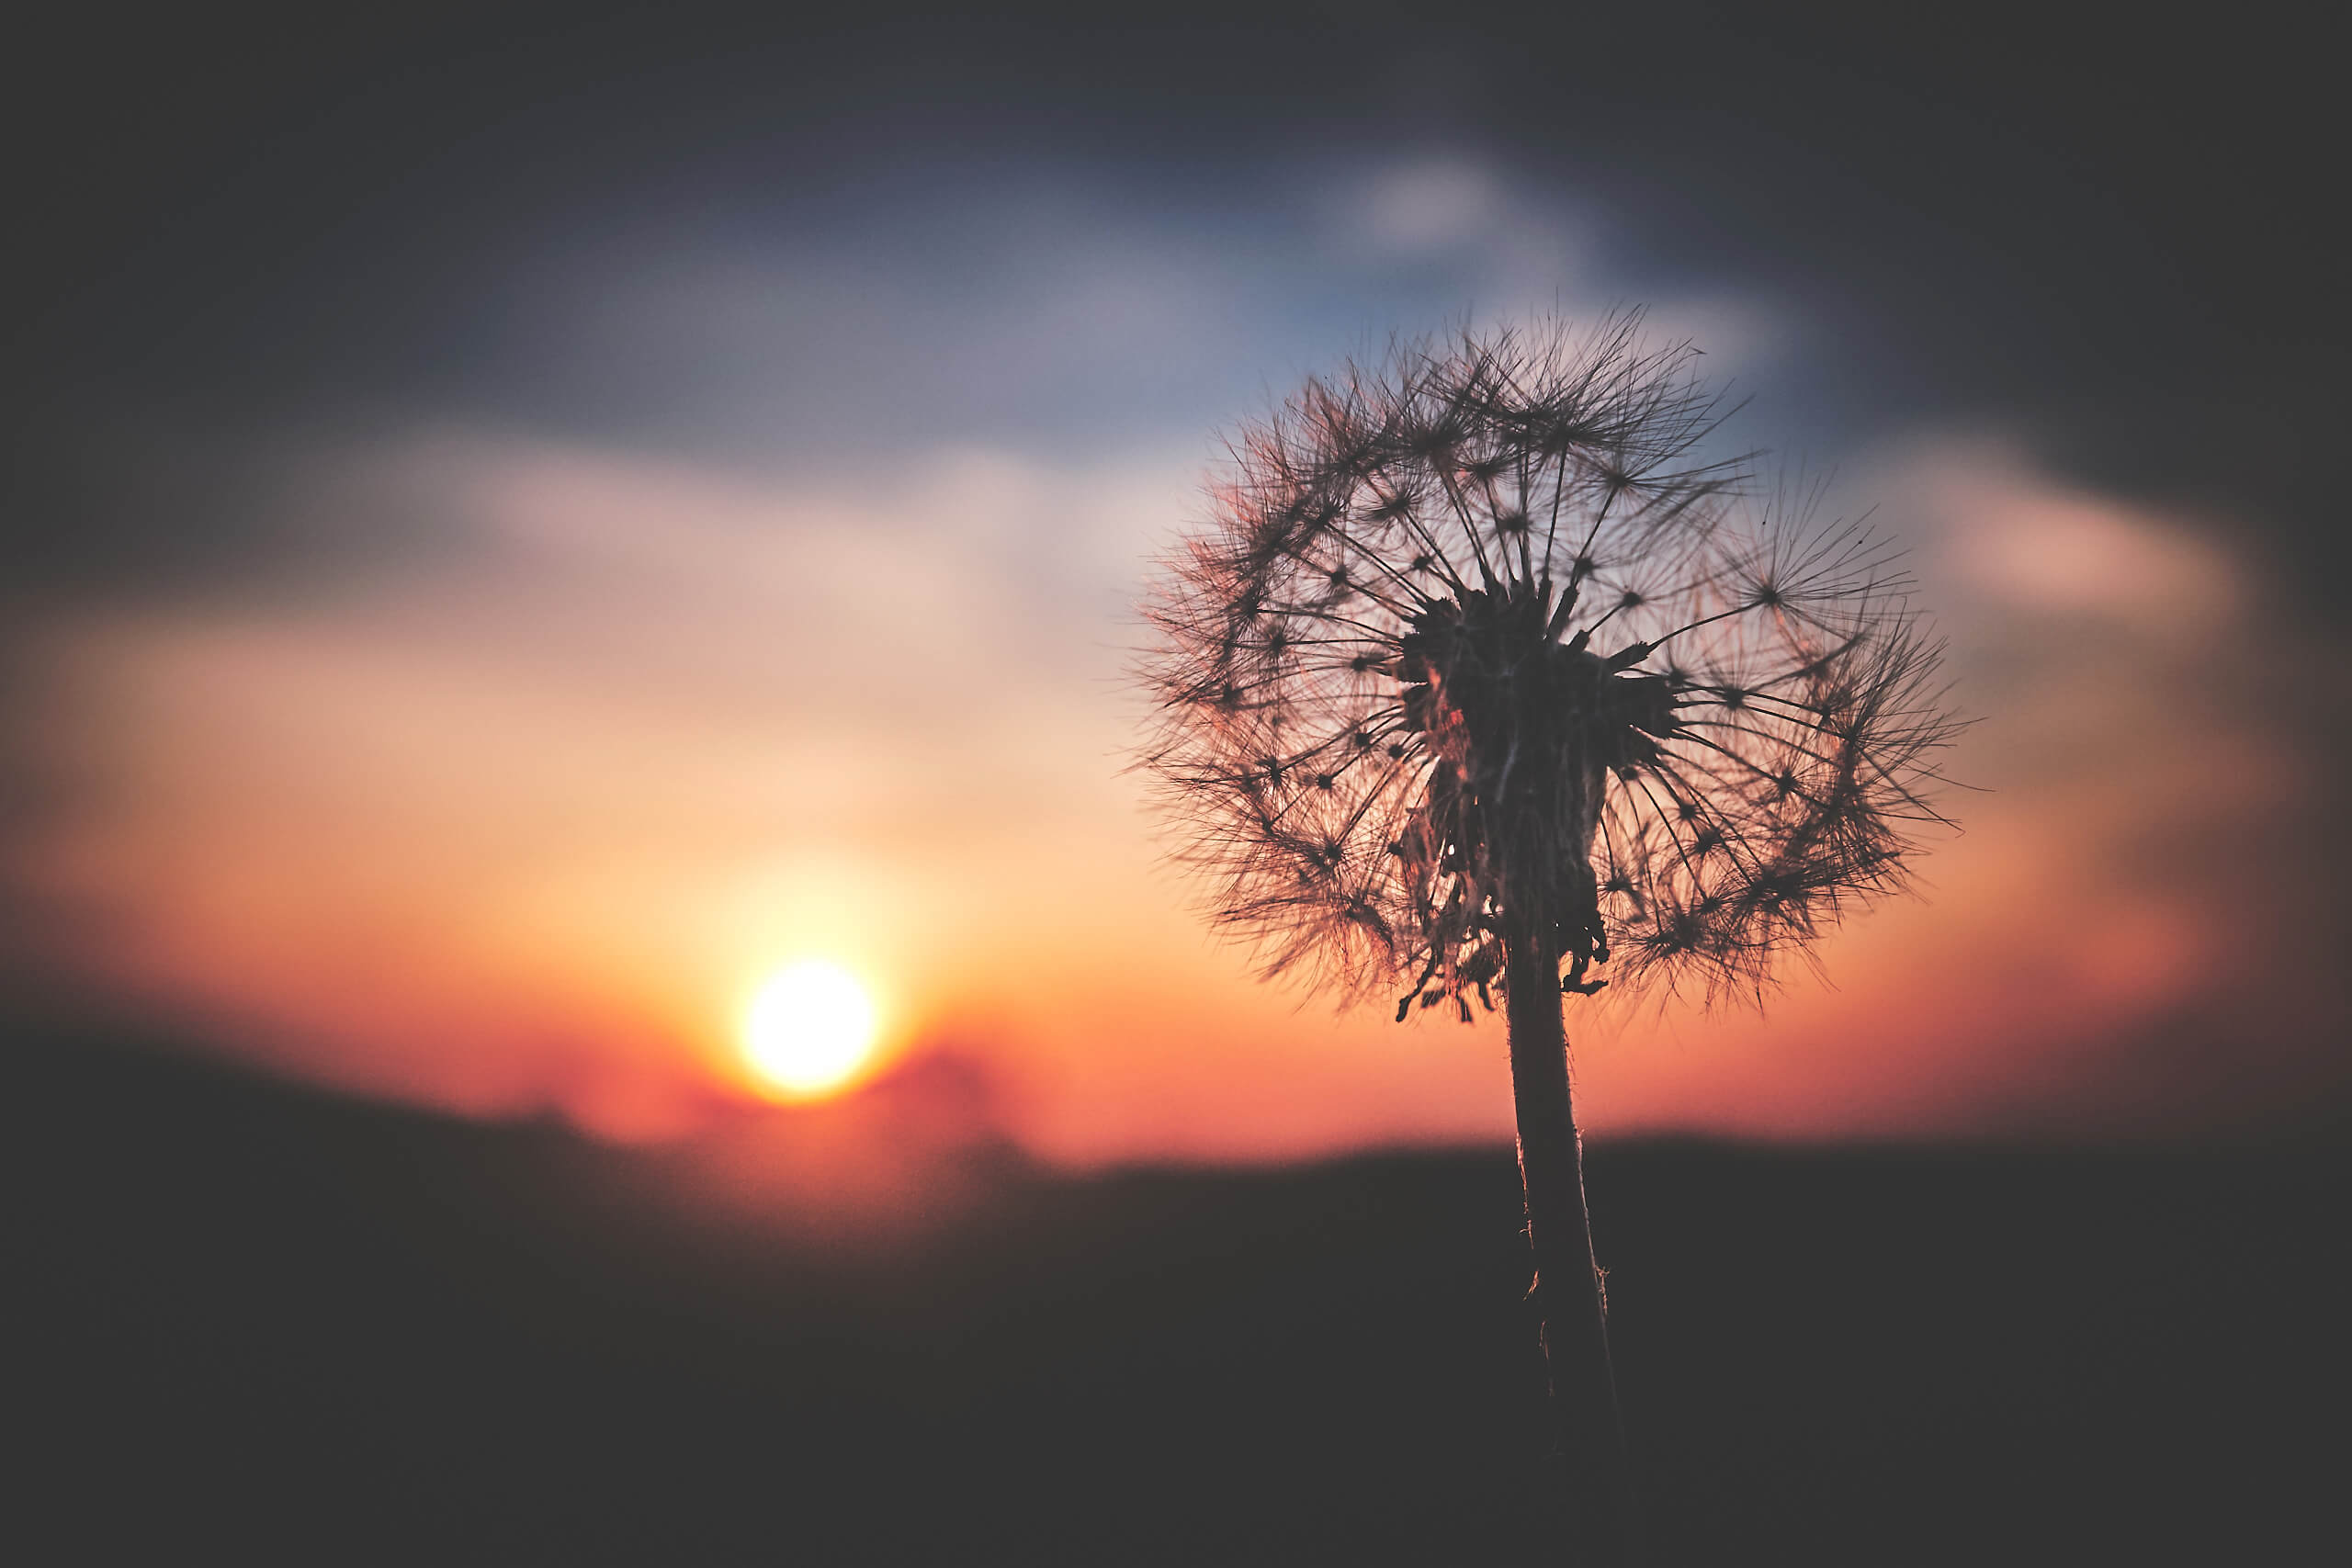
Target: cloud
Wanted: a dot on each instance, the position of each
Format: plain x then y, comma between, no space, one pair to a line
634,730
518,817
1434,204
2051,549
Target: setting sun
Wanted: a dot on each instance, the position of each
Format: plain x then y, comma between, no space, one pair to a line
809,1028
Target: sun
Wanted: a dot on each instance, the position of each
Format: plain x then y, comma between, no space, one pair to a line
809,1029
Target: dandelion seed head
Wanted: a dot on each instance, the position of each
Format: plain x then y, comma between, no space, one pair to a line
1480,641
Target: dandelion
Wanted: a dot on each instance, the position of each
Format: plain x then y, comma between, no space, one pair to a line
1486,680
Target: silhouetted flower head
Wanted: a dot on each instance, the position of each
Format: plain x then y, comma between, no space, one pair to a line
1478,646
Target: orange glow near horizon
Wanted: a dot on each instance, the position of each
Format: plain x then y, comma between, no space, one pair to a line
508,832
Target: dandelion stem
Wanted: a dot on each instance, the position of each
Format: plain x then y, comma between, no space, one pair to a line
1568,1289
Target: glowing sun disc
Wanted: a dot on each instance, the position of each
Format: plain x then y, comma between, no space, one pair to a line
809,1028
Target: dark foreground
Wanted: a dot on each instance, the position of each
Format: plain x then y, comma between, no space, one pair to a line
260,1325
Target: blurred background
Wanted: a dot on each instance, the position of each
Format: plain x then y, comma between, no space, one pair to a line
523,526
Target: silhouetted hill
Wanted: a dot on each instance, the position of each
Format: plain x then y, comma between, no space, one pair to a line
270,1325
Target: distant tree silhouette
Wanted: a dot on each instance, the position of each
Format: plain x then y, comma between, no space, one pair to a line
1483,671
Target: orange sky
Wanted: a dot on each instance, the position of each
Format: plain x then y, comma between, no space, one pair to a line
523,822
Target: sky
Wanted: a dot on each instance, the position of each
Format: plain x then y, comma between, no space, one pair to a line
522,525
